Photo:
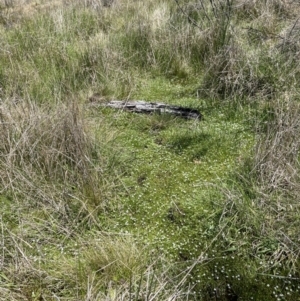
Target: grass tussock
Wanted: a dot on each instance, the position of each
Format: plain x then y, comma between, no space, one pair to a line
129,271
105,268
47,152
43,140
33,140
263,203
277,150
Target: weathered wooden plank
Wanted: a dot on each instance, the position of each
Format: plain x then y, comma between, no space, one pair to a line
145,107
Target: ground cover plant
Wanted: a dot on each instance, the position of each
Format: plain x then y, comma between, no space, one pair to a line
98,204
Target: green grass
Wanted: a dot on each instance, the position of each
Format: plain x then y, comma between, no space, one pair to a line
99,204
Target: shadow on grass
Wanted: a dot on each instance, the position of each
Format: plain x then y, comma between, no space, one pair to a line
194,145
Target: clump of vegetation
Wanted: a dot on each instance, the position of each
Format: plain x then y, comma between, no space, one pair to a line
44,145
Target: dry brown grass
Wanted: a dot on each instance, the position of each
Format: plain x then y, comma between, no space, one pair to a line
14,10
38,142
276,169
254,8
48,159
264,201
277,161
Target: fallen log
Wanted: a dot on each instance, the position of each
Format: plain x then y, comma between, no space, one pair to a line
152,107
